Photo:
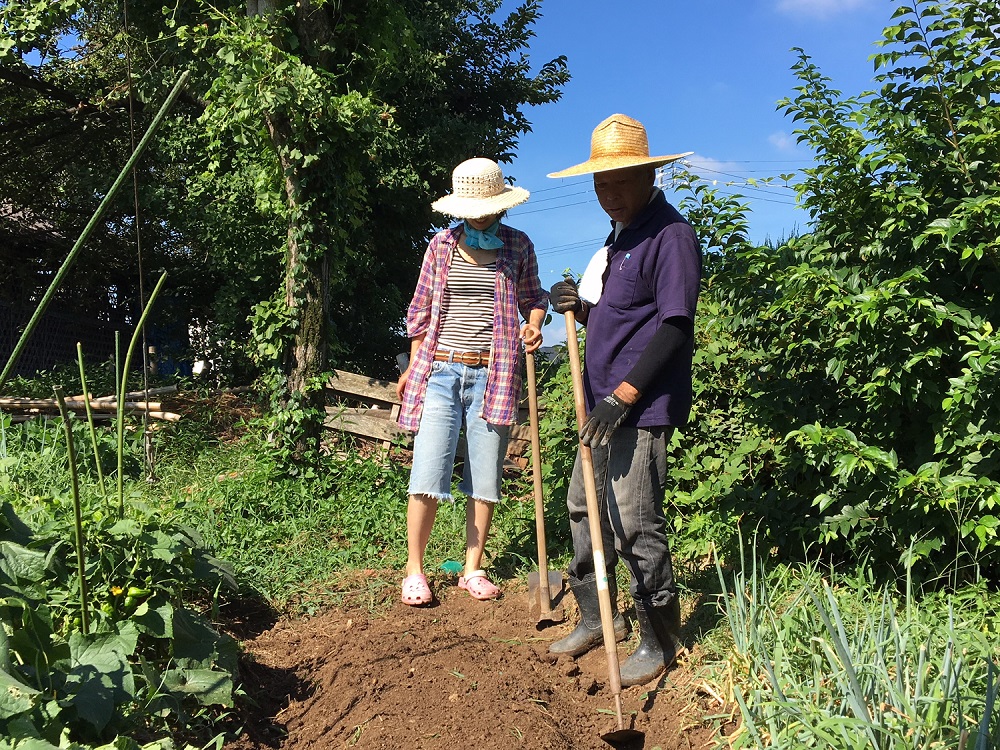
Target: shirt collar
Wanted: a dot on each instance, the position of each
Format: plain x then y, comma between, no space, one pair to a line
654,193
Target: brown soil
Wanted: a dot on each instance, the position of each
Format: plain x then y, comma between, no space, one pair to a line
457,674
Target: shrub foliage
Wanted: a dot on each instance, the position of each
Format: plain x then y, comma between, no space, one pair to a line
845,377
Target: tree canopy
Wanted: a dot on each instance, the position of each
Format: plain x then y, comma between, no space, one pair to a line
289,195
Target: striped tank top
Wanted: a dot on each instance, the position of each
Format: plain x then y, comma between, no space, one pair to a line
468,305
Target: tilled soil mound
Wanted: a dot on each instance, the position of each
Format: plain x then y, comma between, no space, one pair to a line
456,674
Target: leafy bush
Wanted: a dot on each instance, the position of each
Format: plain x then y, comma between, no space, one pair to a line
123,655
844,379
34,459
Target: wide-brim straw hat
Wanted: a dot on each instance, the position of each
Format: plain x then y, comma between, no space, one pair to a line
478,190
617,143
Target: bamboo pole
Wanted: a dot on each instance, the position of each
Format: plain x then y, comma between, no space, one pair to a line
167,416
90,420
140,394
79,403
81,560
121,396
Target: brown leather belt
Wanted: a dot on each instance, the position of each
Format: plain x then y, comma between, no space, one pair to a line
471,359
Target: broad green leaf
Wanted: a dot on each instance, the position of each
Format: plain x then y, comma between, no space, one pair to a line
21,563
208,686
15,697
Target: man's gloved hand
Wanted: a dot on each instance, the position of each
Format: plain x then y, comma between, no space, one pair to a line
606,417
565,297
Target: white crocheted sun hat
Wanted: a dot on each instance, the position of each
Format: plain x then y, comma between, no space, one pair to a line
478,190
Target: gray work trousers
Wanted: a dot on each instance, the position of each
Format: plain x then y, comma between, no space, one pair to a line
630,474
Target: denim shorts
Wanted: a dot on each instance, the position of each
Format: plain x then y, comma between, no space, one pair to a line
454,400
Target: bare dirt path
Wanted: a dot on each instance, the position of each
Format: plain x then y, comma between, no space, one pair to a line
458,674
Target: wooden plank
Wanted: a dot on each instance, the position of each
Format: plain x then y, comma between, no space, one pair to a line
360,386
363,423
380,424
520,432
393,416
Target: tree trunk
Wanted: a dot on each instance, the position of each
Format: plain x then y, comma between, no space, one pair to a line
307,283
307,272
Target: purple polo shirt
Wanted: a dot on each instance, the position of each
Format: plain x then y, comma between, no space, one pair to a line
654,273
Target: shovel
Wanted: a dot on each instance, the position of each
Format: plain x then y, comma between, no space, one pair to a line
622,737
545,587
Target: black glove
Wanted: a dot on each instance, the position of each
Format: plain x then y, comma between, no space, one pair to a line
606,417
565,297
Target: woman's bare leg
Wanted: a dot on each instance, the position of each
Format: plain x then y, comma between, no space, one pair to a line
478,515
420,513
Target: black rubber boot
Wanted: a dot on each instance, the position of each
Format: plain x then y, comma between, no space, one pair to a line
588,633
659,643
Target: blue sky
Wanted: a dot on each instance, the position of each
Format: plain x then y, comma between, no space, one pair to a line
702,76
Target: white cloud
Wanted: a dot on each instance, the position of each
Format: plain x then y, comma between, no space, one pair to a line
699,163
782,141
713,170
819,8
759,177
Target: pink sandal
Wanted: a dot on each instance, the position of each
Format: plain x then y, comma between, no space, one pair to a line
416,591
478,585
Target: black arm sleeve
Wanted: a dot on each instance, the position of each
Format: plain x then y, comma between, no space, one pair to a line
669,338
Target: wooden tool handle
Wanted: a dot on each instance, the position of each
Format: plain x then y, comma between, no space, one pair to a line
545,595
594,518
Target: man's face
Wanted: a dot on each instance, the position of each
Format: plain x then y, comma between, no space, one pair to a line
623,193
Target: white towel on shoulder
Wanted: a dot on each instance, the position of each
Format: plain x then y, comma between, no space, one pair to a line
592,283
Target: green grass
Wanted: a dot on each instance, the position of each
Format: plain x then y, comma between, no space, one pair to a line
296,541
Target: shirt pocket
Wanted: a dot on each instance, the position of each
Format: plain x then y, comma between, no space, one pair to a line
620,288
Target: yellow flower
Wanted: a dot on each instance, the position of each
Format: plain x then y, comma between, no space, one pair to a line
117,590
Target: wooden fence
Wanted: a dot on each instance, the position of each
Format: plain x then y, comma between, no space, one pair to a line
368,408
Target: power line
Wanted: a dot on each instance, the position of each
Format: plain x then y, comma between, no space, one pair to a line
560,197
665,177
767,161
562,186
758,198
515,213
573,247
742,177
550,208
568,244
588,181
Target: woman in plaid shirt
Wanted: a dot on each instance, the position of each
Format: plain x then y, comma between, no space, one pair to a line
465,348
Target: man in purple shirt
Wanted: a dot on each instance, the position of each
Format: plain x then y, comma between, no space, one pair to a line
638,303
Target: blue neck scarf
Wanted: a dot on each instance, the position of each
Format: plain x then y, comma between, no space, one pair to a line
484,239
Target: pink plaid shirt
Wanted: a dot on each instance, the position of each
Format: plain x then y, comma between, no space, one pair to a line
517,289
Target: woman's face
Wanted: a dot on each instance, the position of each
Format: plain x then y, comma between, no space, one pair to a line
484,222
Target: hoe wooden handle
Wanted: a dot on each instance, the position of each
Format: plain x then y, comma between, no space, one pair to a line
594,517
